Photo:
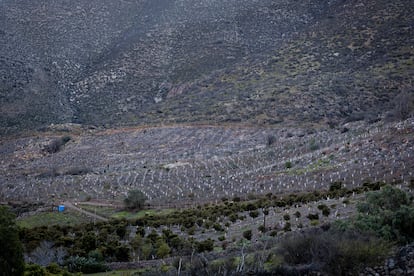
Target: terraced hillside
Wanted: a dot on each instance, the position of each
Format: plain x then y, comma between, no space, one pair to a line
151,62
184,164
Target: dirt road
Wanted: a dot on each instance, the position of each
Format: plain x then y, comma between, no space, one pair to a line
89,214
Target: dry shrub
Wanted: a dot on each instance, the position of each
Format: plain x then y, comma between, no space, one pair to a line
332,252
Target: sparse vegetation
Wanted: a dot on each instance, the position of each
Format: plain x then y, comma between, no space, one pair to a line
56,144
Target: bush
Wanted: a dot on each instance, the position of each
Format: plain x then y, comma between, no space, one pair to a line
356,252
135,200
233,217
325,209
250,207
403,222
335,186
326,212
85,265
254,214
314,222
236,199
247,234
146,250
313,216
218,227
287,227
56,144
163,250
388,198
33,270
54,268
288,165
262,228
388,213
280,203
206,245
333,252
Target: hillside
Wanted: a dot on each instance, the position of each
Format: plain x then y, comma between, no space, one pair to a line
207,137
111,63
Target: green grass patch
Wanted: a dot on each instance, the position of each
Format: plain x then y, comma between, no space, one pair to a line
66,218
218,249
321,164
140,214
104,211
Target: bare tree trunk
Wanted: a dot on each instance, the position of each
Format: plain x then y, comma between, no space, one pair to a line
179,267
262,258
240,267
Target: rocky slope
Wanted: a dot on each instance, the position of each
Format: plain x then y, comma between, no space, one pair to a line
150,62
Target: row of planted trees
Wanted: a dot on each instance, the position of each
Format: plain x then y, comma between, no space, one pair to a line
88,247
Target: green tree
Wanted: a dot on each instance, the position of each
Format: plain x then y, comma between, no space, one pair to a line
389,198
146,250
11,253
135,200
162,249
389,213
206,245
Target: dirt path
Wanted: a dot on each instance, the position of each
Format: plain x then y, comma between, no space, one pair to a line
89,214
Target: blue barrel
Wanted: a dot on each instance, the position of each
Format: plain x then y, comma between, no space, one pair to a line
61,208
